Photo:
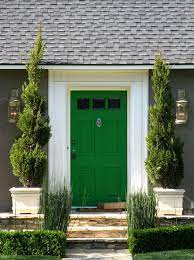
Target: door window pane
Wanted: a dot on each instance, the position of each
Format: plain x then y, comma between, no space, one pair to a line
83,103
99,103
114,103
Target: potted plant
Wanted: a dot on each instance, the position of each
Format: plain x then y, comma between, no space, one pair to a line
28,156
164,163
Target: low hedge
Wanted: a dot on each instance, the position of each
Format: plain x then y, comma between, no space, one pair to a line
32,243
161,239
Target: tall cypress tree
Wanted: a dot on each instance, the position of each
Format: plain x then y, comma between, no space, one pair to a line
164,163
28,156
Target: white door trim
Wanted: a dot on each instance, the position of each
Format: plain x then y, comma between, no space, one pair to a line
61,83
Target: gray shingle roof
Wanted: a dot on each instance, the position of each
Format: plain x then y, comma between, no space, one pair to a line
98,31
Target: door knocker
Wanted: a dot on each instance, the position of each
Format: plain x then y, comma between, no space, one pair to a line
98,122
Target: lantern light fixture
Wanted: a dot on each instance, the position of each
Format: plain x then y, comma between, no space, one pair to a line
182,108
13,106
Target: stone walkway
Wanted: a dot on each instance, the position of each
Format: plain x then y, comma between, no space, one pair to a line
109,254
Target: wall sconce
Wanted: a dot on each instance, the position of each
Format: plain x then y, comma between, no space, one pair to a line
182,108
14,106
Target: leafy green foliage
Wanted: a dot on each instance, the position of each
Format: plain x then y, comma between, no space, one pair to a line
161,239
164,164
32,243
28,157
56,206
141,210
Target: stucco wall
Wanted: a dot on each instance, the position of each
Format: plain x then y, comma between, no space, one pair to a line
185,79
9,79
14,79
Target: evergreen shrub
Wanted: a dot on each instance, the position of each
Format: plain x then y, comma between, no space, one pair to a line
161,239
28,156
51,243
164,163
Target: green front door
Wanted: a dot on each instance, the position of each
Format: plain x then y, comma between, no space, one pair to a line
98,147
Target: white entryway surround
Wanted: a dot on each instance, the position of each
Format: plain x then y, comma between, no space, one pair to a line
136,83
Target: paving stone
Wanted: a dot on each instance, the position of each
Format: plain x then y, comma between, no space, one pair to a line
98,254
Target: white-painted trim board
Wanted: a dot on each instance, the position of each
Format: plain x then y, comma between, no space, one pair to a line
61,83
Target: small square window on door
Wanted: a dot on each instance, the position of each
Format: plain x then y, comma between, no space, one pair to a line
99,103
114,103
83,103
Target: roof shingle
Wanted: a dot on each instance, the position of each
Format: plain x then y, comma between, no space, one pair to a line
98,32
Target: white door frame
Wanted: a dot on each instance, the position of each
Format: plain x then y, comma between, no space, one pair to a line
60,85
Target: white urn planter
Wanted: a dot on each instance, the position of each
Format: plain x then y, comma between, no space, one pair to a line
25,200
169,201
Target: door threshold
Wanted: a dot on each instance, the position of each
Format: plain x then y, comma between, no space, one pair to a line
82,207
95,210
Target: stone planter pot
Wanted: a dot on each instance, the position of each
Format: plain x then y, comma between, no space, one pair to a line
25,200
169,201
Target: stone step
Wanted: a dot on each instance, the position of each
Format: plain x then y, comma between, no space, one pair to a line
100,219
97,232
97,222
97,243
29,222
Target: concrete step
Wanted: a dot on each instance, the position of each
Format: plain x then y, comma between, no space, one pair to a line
97,232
